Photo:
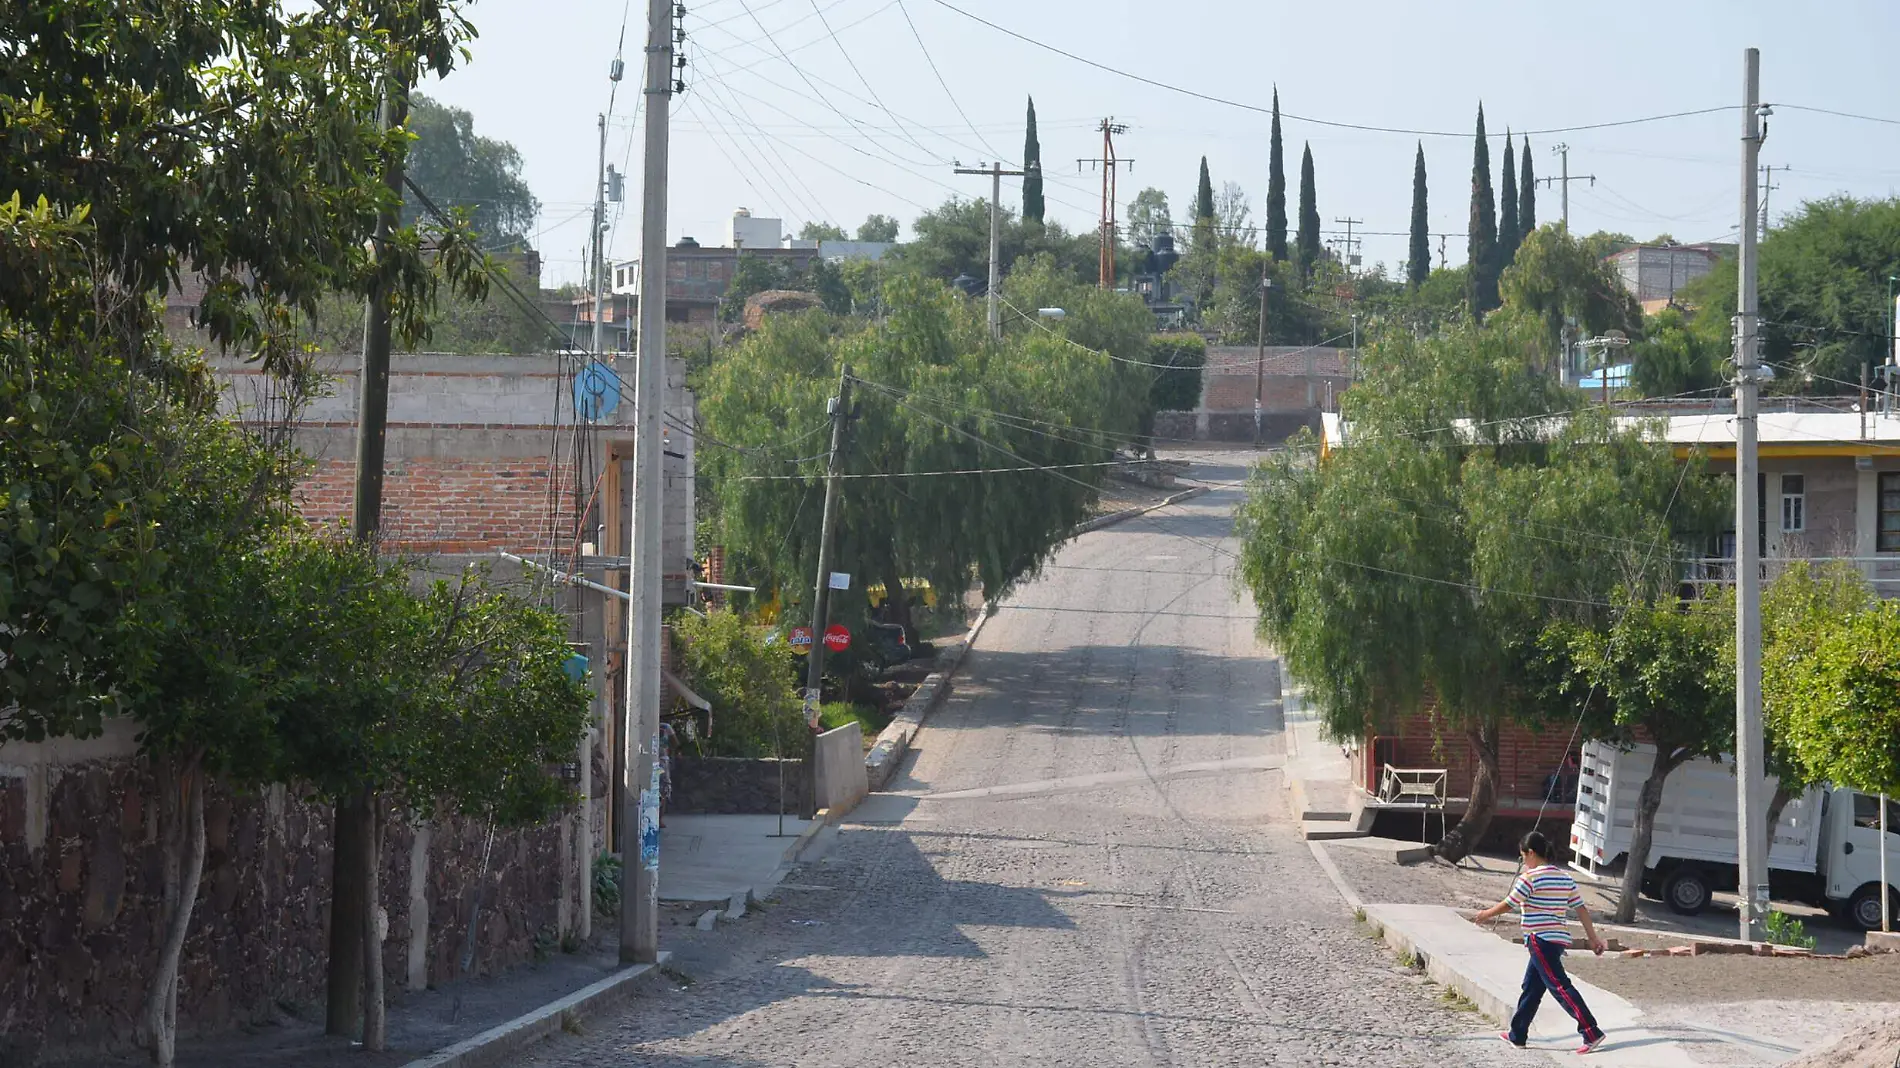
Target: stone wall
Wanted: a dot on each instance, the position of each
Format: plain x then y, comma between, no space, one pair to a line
724,786
80,895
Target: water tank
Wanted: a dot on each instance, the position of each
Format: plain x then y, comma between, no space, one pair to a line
1164,253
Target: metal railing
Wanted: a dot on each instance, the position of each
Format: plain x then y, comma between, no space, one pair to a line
1718,571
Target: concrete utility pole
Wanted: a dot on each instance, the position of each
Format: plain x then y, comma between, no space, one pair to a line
996,173
600,235
640,853
821,590
1563,180
1753,839
1345,259
1768,186
1260,355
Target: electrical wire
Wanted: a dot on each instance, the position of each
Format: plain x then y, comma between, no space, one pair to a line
853,64
954,102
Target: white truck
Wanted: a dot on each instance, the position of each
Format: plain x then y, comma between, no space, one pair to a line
1826,849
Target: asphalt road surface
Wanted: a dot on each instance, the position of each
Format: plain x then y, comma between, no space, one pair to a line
1088,861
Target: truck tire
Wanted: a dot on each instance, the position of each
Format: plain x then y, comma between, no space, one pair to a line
1686,891
1863,909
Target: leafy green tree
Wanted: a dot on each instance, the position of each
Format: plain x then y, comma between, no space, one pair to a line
1401,570
459,168
1831,680
1508,233
1675,356
954,239
1148,215
1177,384
1418,262
878,228
1662,673
1032,167
1204,197
1527,195
822,231
1797,608
1555,277
1276,187
1482,244
1308,247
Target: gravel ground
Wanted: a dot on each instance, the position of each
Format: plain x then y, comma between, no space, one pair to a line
1088,862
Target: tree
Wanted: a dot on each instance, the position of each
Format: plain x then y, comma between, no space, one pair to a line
458,168
954,239
1482,245
1558,277
1400,572
1148,215
1663,671
1799,607
1830,680
938,395
1309,218
822,231
1276,187
1675,356
1418,262
1231,215
1508,233
881,228
751,683
1032,170
1527,195
1204,197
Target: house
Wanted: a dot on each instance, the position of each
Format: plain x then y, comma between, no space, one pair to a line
697,277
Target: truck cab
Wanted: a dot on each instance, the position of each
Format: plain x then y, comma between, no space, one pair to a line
1850,856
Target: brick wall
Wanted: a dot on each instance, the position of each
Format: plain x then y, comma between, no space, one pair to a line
447,505
1526,757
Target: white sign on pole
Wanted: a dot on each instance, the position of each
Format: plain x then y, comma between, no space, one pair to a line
840,580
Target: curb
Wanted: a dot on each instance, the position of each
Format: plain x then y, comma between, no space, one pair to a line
1112,518
501,1044
893,742
1339,881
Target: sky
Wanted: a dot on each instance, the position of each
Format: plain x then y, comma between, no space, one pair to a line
831,110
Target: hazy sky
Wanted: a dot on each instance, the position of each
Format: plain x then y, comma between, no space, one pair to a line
777,119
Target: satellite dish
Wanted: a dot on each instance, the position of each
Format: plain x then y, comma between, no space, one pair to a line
596,392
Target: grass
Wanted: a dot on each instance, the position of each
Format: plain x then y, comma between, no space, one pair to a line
834,714
1409,959
1457,1001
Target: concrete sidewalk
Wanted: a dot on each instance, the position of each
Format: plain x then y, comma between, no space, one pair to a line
714,858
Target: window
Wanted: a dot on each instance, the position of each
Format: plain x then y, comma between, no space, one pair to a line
1888,536
1794,504
1867,813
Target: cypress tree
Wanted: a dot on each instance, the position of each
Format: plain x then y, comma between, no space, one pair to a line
1204,196
1308,247
1032,167
1526,195
1482,246
1276,187
1508,233
1419,265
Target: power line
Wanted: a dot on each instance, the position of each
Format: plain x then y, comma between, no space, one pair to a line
853,64
954,102
1308,118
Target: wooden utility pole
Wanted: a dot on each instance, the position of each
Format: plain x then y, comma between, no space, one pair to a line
996,173
821,590
1108,161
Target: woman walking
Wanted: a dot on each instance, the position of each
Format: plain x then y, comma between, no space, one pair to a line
1544,893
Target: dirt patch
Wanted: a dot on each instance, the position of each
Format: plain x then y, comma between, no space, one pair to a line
1120,496
1873,1046
1731,977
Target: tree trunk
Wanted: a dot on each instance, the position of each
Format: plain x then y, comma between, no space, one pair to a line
1783,795
183,811
1469,830
898,601
348,881
375,1022
1636,866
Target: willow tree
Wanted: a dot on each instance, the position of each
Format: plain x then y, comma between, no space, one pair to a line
1032,418
1414,567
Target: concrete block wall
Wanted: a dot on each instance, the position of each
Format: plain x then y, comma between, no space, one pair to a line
842,781
1229,384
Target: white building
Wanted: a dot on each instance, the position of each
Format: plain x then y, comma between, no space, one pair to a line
749,231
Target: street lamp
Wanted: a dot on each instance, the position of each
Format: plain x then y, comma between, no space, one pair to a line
1260,353
1609,339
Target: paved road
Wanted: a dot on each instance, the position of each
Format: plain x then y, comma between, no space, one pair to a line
1089,862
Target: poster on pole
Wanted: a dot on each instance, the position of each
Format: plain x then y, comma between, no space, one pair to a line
811,707
837,638
800,640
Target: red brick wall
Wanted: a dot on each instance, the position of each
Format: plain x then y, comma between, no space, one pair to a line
453,506
1420,740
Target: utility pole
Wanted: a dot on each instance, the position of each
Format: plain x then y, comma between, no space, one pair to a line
1346,260
1768,186
996,173
1751,836
600,231
1563,180
354,982
821,590
1260,355
1108,162
640,852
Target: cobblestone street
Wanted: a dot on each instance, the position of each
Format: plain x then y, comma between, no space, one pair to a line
1089,861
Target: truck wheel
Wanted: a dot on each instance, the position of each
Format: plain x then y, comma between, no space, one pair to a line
1863,909
1686,891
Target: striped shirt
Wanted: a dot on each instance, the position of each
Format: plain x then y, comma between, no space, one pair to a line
1545,895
